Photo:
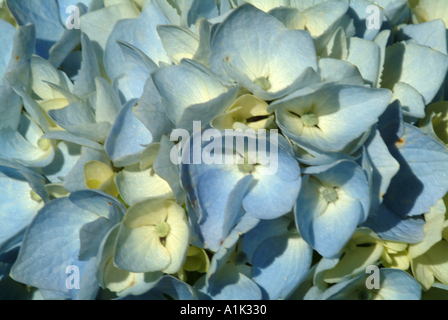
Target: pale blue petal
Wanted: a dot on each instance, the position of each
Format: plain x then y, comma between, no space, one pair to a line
391,125
70,137
314,158
272,196
128,137
64,89
138,68
204,31
33,109
249,55
280,264
18,208
168,171
51,245
45,15
173,288
7,38
327,227
307,78
85,83
179,43
223,279
141,33
220,196
66,156
151,113
34,179
198,95
196,239
15,146
344,113
91,234
421,181
222,256
99,24
10,108
334,70
291,17
107,102
402,65
264,230
431,34
394,9
77,118
69,40
229,284
384,167
98,202
411,101
390,226
113,57
366,55
324,16
267,52
18,72
272,249
382,40
195,9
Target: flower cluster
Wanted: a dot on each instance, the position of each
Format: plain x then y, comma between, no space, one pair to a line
98,98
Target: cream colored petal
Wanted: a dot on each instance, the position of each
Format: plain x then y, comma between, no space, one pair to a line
433,230
178,240
399,261
354,262
135,185
117,280
149,212
433,263
99,176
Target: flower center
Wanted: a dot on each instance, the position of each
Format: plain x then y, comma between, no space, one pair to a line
44,144
309,119
162,229
246,168
330,195
240,119
263,83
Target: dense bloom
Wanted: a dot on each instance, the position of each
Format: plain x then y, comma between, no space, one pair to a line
231,149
